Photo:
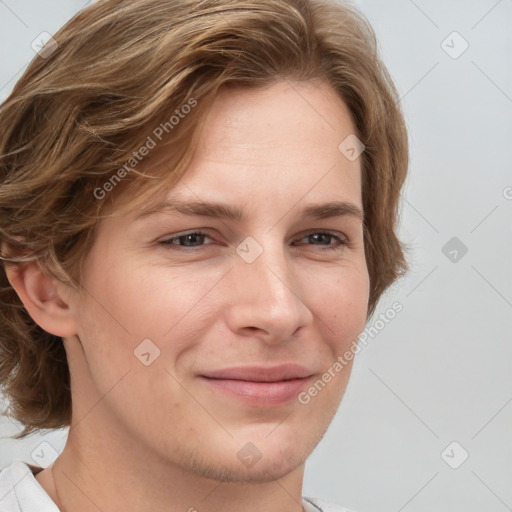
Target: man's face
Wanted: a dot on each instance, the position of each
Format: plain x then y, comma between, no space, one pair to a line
243,314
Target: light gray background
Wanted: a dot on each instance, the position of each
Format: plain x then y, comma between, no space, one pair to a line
441,370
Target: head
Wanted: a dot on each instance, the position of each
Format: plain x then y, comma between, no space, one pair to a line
118,142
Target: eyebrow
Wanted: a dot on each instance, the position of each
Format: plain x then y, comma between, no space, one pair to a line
225,211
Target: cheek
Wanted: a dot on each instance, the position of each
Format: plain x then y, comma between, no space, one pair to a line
134,302
341,305
148,300
342,309
117,316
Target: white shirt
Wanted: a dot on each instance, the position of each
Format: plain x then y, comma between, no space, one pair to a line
21,492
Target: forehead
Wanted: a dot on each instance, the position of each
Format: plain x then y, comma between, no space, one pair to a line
274,143
304,116
279,139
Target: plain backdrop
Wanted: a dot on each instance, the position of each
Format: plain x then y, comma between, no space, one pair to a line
425,422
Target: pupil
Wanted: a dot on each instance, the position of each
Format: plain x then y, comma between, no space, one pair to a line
193,238
322,238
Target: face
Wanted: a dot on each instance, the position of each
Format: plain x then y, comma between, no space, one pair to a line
246,287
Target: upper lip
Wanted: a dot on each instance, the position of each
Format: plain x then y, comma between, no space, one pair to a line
261,373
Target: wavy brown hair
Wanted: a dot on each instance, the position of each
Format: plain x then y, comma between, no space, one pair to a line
120,69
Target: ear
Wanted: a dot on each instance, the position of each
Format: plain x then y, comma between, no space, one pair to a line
43,298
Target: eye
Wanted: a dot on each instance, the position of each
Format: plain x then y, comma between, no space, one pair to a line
194,239
325,239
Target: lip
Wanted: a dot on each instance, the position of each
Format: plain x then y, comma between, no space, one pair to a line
260,386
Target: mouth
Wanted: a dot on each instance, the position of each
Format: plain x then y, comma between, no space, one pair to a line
260,386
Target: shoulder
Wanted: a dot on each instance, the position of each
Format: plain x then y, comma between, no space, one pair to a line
314,505
21,492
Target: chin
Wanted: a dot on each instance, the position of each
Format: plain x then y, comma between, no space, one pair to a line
264,471
252,462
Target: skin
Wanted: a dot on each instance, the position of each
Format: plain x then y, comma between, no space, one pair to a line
159,437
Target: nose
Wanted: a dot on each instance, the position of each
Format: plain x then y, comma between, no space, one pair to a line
265,298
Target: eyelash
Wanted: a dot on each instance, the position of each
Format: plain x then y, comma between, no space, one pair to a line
342,241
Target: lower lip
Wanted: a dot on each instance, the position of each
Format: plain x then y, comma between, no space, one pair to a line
260,394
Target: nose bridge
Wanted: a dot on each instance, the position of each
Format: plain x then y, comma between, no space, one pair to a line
269,271
267,296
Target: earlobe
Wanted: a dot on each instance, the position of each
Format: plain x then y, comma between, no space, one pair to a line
40,295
